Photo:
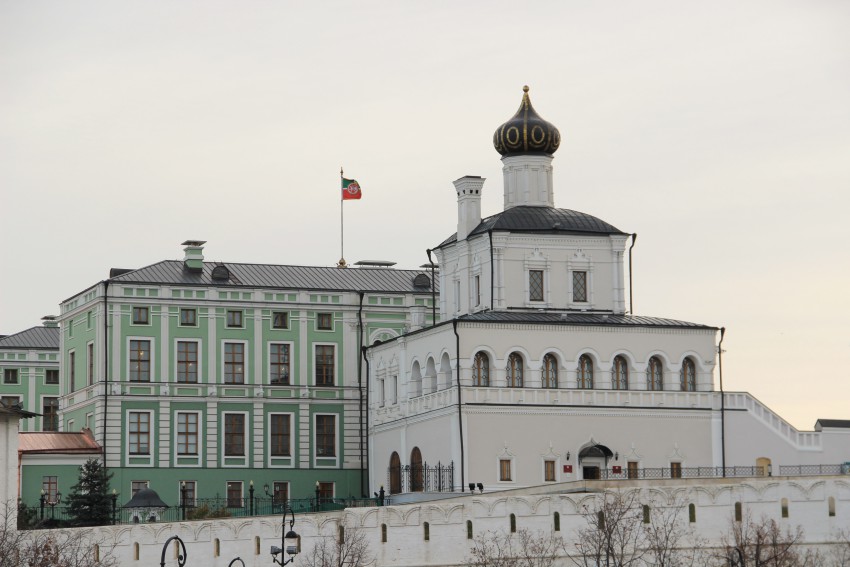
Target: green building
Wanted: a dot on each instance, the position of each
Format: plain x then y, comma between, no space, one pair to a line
29,365
219,375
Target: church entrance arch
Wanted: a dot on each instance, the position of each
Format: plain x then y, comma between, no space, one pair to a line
593,459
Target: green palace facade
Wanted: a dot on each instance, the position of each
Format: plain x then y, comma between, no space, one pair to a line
219,375
29,374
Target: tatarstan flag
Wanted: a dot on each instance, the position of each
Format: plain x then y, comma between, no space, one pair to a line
350,189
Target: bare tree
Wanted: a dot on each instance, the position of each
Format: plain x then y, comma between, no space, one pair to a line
669,541
50,548
350,548
839,553
763,543
614,536
523,549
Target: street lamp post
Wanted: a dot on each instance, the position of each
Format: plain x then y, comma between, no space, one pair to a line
289,540
181,557
53,503
183,490
114,506
318,495
42,500
251,497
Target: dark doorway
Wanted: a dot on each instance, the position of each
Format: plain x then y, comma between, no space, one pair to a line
590,473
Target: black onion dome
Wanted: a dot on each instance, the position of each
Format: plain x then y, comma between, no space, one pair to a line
526,132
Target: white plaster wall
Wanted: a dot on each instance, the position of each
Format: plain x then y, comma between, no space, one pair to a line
808,499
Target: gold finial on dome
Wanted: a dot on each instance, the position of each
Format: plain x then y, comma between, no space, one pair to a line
525,88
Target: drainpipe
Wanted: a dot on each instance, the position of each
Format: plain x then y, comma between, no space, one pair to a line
631,294
360,392
433,293
105,366
459,412
492,268
722,402
363,466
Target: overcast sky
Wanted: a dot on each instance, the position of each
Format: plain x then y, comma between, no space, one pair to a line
718,131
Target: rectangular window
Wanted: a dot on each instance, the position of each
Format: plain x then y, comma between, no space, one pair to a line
141,315
70,327
549,471
324,365
188,318
477,291
234,319
50,486
579,286
279,438
51,376
90,363
187,493
234,435
383,397
632,469
72,370
187,433
140,433
535,285
504,469
326,490
325,435
457,295
279,364
187,361
324,321
50,414
675,470
281,492
234,363
234,493
10,376
138,485
140,361
280,320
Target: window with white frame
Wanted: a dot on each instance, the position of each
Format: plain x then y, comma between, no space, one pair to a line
188,317
187,433
90,363
139,432
325,435
550,371
655,374
535,285
325,365
513,371
481,369
234,434
549,470
280,320
280,437
234,319
234,363
688,375
141,315
505,470
279,363
580,286
477,290
140,360
187,362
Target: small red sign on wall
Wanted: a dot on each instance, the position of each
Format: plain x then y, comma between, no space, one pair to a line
616,470
568,468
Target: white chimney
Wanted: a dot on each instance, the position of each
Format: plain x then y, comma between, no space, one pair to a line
468,204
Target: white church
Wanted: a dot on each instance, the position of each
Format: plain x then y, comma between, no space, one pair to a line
541,373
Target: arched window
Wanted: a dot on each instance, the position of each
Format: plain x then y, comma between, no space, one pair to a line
513,371
557,518
513,523
257,545
417,472
585,372
427,531
831,506
784,507
395,473
620,374
655,374
688,376
469,529
383,533
550,371
692,513
738,512
481,370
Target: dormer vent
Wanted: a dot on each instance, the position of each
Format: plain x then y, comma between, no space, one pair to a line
421,280
220,273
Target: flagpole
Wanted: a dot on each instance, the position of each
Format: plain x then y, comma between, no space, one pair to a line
341,225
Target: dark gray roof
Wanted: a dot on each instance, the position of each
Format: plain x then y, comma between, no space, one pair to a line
39,338
843,423
383,280
547,220
577,319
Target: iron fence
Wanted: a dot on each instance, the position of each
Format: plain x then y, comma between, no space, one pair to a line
813,470
421,478
621,473
38,517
